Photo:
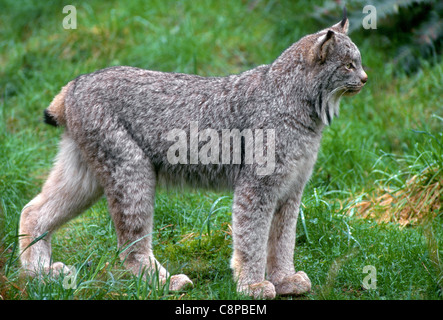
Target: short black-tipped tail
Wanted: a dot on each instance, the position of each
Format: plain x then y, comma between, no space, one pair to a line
49,119
55,113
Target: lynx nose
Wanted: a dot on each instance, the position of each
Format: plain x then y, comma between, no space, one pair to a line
363,77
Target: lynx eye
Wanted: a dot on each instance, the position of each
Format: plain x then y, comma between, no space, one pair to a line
350,66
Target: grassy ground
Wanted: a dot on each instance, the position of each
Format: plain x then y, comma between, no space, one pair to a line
385,136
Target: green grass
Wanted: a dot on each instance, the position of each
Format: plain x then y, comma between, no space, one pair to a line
374,145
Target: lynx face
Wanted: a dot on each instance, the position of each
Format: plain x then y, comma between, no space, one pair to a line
350,76
342,60
336,68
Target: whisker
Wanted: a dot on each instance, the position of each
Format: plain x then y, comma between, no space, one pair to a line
330,94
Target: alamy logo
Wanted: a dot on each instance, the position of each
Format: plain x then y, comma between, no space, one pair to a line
370,21
209,152
70,21
370,281
70,279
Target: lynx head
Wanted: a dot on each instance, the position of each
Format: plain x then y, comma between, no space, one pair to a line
337,68
322,67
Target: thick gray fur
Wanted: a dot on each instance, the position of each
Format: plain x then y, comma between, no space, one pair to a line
117,122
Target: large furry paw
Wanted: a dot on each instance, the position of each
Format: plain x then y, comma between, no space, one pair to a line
58,268
260,290
294,284
54,270
180,282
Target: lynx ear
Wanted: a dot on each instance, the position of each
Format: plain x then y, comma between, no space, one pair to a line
343,25
326,42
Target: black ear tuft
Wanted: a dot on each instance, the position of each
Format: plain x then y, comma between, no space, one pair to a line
345,17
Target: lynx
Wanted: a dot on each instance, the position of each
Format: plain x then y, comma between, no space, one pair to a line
118,137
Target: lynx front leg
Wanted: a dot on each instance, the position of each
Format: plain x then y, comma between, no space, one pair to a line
252,216
281,244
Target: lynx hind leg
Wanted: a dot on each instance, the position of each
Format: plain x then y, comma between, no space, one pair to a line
129,181
131,205
70,188
281,245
